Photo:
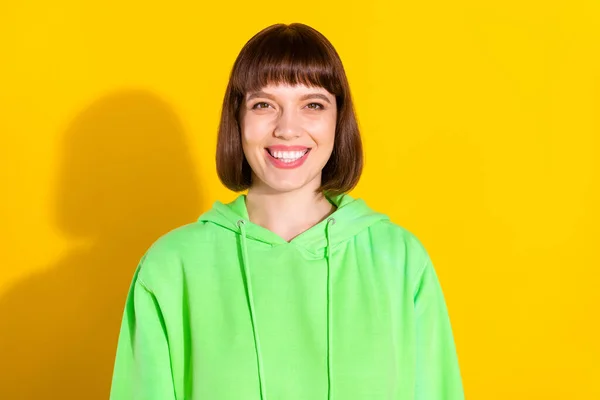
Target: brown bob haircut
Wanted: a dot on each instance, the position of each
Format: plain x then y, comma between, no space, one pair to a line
289,54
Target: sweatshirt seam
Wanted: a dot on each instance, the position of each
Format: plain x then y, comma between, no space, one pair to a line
420,274
164,326
145,286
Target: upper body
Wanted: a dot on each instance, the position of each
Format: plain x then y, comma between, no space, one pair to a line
295,290
356,288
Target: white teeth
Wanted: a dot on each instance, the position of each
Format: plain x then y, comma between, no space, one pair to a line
288,156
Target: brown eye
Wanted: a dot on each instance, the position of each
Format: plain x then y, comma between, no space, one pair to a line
260,105
315,106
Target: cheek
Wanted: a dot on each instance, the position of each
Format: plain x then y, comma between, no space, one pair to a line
324,133
253,130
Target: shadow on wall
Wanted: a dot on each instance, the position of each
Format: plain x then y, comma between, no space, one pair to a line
126,178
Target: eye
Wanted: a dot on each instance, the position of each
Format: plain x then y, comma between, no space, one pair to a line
315,106
260,105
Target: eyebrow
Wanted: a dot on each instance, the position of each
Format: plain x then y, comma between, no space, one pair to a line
302,98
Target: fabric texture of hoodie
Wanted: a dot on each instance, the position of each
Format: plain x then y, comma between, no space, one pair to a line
350,309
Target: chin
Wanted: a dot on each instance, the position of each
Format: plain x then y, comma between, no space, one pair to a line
281,187
291,185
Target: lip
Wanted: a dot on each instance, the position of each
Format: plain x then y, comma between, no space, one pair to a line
284,165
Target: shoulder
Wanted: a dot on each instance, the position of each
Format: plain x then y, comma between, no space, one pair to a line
182,238
387,232
165,257
400,246
385,237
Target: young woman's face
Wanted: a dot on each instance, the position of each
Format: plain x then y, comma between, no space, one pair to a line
287,135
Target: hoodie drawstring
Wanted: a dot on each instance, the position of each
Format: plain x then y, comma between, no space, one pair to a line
330,221
249,295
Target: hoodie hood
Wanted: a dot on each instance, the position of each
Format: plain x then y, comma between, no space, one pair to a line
351,217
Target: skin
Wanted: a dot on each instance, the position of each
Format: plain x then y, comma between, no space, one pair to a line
285,200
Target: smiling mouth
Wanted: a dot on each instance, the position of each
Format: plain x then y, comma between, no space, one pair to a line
287,156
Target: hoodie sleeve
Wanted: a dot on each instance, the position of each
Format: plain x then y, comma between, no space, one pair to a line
142,367
437,370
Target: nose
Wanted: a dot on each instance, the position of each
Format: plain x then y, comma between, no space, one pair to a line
288,125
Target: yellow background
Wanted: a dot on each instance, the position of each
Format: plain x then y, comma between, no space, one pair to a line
481,128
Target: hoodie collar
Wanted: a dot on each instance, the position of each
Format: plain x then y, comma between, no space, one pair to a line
351,217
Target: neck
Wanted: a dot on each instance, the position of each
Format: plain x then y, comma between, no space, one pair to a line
287,214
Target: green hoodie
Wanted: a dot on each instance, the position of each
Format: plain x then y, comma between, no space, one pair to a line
225,309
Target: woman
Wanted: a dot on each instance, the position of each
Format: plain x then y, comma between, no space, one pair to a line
295,290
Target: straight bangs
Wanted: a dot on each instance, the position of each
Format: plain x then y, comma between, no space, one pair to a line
287,57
